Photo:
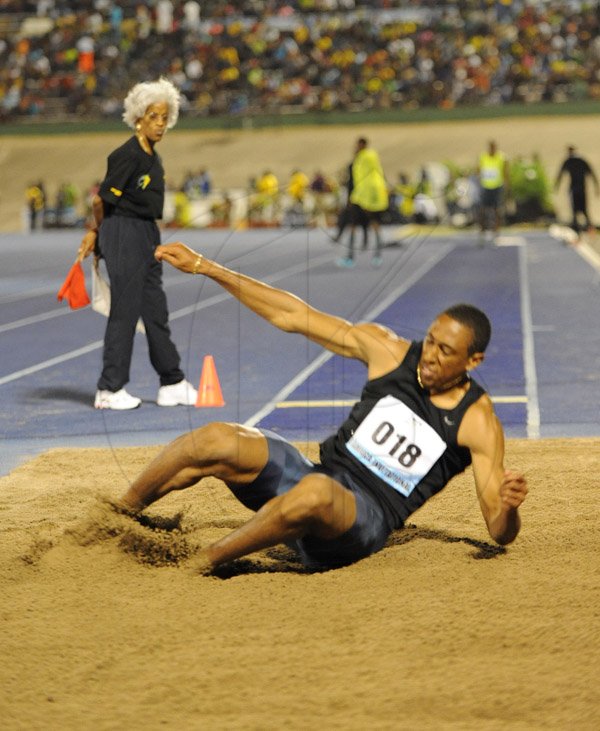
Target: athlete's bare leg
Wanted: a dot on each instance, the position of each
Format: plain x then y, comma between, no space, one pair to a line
318,505
230,452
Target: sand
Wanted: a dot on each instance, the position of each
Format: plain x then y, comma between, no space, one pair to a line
104,627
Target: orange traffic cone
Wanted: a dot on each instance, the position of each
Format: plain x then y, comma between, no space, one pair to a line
209,390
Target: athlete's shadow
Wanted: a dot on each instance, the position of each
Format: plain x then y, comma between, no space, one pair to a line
161,540
279,560
411,532
284,560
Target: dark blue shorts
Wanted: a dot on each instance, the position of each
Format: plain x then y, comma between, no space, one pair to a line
361,217
491,197
285,468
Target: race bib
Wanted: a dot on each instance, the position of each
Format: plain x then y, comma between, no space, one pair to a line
396,445
489,174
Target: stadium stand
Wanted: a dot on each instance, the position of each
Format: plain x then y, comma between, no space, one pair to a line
60,60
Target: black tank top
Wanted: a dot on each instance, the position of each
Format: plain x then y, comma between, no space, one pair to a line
402,385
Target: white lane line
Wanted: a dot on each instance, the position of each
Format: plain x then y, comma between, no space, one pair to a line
295,269
28,294
33,320
174,316
510,241
531,385
51,362
592,257
324,357
23,296
344,403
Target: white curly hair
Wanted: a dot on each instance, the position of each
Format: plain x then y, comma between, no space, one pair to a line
142,95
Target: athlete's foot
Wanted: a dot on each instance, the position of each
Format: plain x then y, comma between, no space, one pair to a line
200,564
346,262
118,505
106,518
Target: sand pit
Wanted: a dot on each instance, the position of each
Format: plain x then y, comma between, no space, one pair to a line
103,627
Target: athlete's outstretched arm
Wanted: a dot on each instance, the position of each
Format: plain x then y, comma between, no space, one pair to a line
500,491
369,342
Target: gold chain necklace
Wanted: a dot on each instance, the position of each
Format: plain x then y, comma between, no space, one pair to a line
419,377
457,381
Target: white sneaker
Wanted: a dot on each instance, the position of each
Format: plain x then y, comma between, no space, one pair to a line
117,400
177,394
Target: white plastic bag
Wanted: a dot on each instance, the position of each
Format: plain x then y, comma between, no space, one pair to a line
101,295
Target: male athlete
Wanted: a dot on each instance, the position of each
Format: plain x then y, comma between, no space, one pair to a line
420,421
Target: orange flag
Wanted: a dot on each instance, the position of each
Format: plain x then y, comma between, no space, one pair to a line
73,288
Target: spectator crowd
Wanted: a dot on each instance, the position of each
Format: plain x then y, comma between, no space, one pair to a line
442,192
60,58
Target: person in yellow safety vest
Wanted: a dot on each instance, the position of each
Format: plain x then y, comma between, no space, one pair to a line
406,197
493,172
183,209
267,184
298,185
34,197
267,188
369,197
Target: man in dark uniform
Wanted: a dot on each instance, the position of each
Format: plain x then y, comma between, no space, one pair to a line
578,171
348,215
420,421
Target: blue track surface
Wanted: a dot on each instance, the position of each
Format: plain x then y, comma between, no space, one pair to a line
542,367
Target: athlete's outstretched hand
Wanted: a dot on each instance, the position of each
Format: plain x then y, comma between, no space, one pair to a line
513,489
180,256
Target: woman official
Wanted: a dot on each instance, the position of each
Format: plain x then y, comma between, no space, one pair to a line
125,234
